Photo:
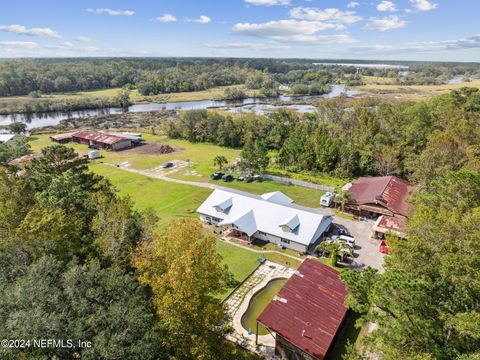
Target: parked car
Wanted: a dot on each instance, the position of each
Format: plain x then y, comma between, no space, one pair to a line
257,178
227,178
248,178
241,178
217,175
327,199
167,165
349,240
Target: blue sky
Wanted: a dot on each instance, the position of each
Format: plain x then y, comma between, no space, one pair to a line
446,30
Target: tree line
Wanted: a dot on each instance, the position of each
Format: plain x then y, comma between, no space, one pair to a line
417,141
168,75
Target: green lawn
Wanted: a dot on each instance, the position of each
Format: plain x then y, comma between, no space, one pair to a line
202,157
170,200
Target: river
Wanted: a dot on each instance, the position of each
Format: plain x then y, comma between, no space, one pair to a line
257,105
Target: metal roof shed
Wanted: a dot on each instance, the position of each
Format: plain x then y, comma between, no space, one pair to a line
308,311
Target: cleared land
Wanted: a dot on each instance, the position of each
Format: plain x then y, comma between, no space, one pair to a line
200,158
384,88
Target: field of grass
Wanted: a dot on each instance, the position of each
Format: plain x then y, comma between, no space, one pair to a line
202,156
381,87
170,200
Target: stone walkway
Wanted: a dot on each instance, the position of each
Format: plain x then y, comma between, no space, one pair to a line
237,303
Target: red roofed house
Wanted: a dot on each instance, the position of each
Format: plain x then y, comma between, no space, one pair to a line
383,197
307,312
95,138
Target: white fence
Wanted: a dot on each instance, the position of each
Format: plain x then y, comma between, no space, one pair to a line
301,183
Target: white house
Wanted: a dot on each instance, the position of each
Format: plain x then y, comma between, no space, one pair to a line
271,217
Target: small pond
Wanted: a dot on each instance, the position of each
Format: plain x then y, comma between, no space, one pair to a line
258,303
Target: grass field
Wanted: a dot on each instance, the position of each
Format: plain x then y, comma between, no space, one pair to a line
202,156
382,87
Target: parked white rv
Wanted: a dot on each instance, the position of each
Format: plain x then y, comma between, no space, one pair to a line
327,199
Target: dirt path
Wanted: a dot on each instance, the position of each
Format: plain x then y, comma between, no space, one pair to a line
164,177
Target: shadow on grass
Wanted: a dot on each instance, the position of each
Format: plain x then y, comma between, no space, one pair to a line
348,333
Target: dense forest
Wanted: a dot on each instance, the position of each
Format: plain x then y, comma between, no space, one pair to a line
158,76
417,141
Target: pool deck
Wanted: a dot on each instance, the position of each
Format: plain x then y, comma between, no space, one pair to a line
237,303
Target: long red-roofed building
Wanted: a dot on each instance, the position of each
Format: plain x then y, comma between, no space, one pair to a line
99,139
307,312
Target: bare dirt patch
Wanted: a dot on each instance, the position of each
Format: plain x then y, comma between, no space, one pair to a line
152,149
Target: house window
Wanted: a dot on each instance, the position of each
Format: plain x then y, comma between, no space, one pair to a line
262,233
285,241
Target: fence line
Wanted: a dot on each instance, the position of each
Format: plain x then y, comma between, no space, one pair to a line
296,182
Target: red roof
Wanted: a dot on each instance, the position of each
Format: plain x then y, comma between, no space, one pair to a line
308,310
388,191
394,224
98,136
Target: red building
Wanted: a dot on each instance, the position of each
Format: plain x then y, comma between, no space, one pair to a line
307,312
382,198
98,139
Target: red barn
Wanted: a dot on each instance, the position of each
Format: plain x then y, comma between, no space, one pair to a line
382,197
98,139
307,312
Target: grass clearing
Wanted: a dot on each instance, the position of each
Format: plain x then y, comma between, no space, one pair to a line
202,156
380,87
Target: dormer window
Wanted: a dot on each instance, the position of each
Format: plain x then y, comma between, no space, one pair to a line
224,206
290,224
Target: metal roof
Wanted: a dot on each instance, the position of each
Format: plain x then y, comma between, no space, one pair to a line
98,136
6,137
308,310
251,213
395,225
277,197
388,191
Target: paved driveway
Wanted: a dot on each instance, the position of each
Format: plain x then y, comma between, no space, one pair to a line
366,248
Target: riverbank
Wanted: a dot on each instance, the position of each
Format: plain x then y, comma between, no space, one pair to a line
85,100
130,120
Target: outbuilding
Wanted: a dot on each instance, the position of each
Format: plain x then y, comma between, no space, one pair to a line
307,312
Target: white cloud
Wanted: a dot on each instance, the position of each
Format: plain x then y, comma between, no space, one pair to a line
280,28
245,45
203,19
19,44
293,31
111,12
386,6
64,45
329,15
268,2
353,4
166,18
423,5
83,39
472,42
385,24
22,30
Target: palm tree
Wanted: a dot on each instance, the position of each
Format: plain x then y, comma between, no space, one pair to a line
343,197
336,249
220,161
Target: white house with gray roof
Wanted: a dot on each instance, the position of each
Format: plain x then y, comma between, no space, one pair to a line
270,217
